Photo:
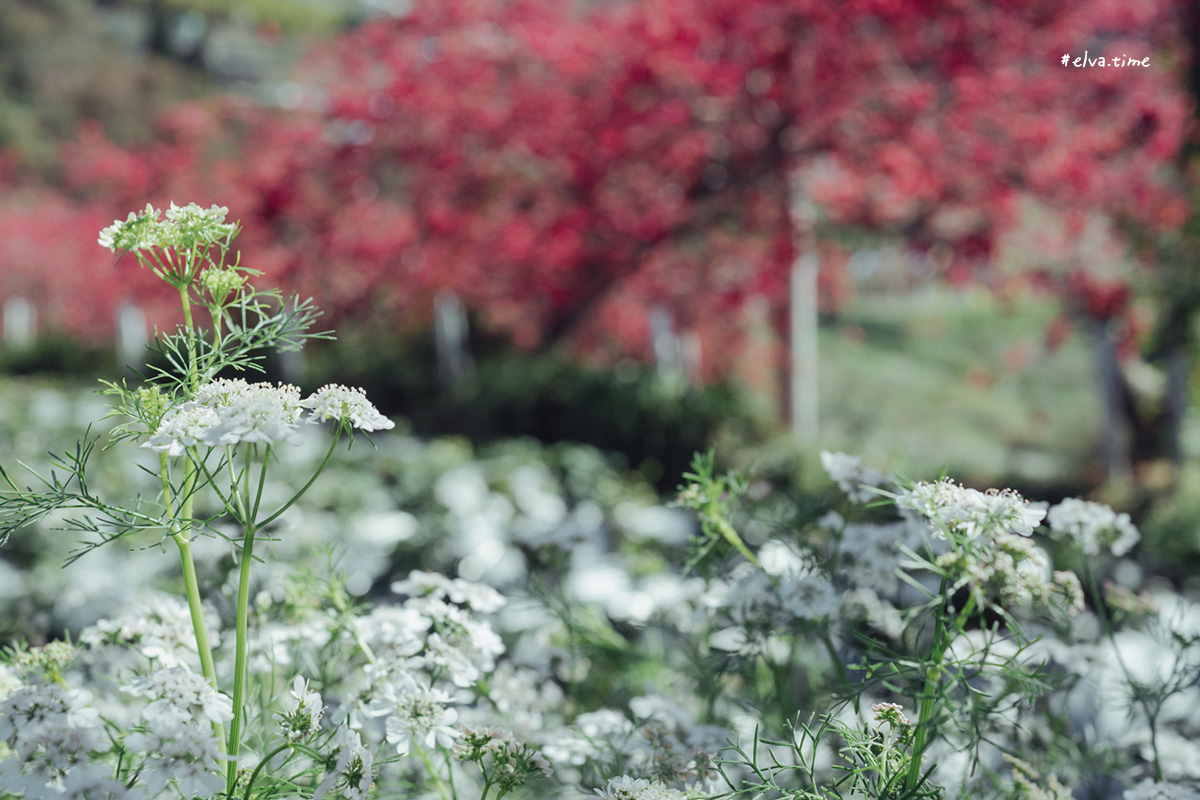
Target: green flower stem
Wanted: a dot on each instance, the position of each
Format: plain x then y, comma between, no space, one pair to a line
732,537
185,301
239,673
324,463
1106,623
928,699
257,770
437,779
192,590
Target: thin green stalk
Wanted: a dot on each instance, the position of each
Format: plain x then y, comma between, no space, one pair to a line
324,463
437,779
927,701
239,673
734,539
262,481
257,770
192,591
1106,622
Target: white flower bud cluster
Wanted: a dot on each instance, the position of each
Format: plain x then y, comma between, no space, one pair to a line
302,712
232,411
1093,527
184,227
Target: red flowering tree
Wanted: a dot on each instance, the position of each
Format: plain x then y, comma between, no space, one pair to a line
561,170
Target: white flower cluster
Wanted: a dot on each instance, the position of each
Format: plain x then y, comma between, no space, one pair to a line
1152,790
968,513
416,712
347,405
353,772
1015,570
477,596
851,476
627,788
1093,527
160,631
180,751
230,411
50,731
184,227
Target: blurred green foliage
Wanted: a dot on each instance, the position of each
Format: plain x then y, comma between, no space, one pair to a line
657,422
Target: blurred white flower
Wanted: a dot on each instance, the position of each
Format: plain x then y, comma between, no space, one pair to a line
1150,789
1092,527
49,730
851,476
627,788
416,713
177,697
182,754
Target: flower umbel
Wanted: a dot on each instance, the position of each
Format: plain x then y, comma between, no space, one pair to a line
348,406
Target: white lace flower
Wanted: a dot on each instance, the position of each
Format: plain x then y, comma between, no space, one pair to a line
850,475
970,513
302,711
627,788
251,412
1093,526
191,224
49,729
177,697
347,405
418,714
184,754
352,774
228,412
182,427
138,231
159,629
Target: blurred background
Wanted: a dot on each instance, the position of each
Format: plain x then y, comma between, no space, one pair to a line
936,234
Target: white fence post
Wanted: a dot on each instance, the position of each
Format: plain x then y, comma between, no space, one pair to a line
132,337
668,355
805,416
20,322
450,338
